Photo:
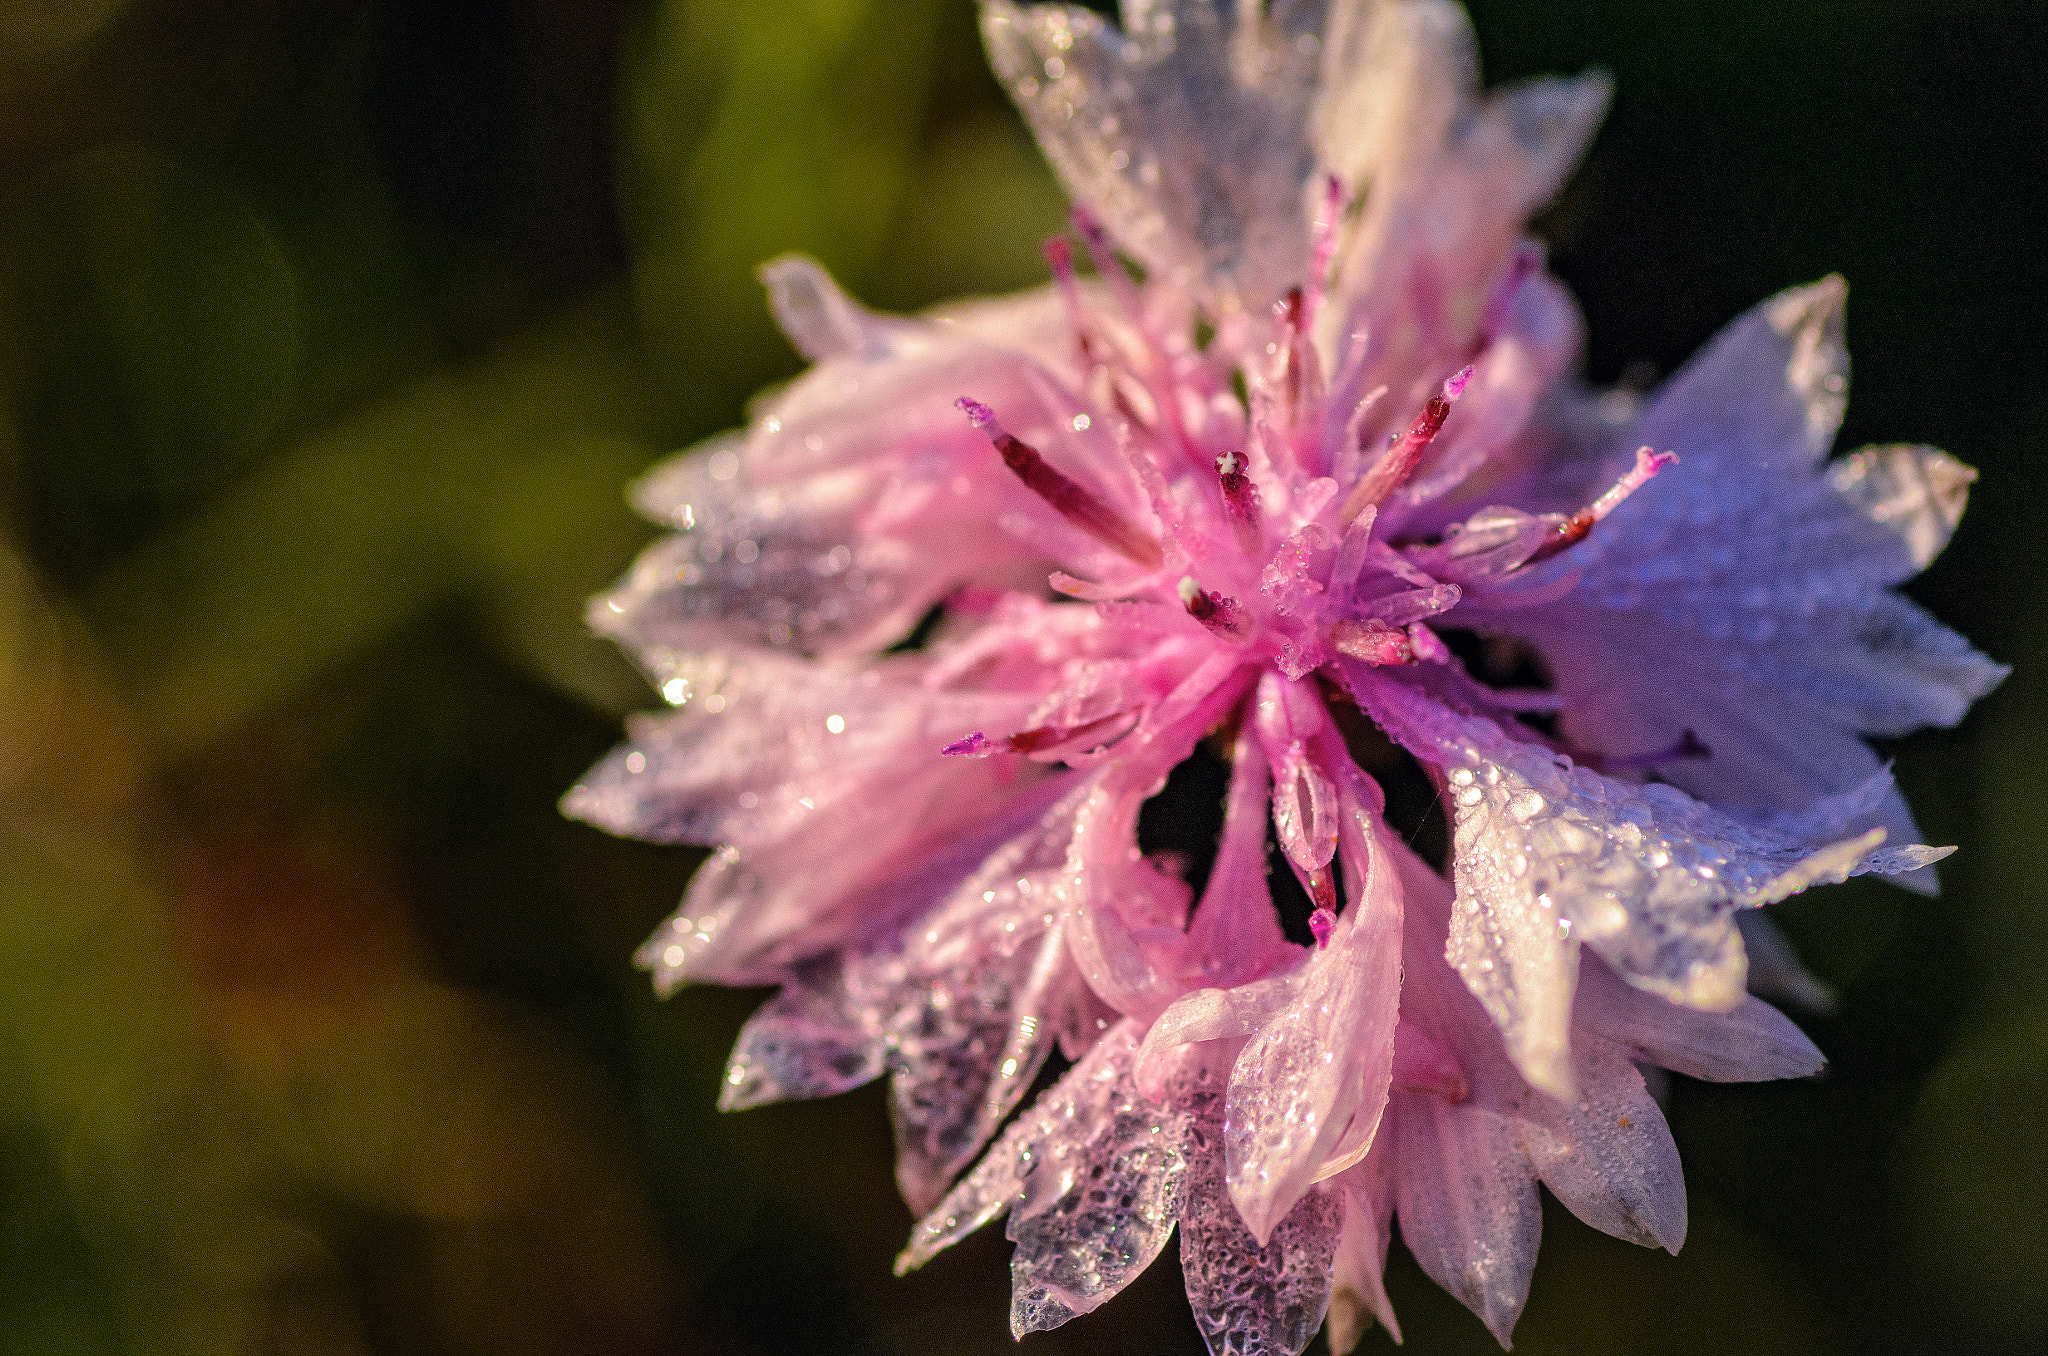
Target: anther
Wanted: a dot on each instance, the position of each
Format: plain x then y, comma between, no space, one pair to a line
1402,458
1217,612
1320,924
1574,529
1240,499
1069,499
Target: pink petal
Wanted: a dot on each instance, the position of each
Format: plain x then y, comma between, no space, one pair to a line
1467,1201
1328,1055
1359,1292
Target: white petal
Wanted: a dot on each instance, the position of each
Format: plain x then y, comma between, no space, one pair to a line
1750,1042
1917,492
1093,1173
1548,855
1186,133
1359,1293
1607,1154
807,1041
1749,584
1467,1202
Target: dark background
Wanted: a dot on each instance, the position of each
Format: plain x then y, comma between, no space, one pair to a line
330,331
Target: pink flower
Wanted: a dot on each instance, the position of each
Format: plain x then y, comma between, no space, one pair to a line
1333,425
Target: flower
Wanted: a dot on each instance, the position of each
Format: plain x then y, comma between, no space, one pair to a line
1332,429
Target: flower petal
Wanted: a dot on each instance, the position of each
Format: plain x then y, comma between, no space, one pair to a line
1607,1155
807,1041
1328,1055
1094,1174
972,1005
1751,1042
1754,581
1250,1299
1359,1292
1466,1198
1186,132
1549,855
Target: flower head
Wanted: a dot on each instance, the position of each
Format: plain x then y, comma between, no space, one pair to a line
1330,429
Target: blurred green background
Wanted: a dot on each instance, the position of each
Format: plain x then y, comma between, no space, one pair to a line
330,331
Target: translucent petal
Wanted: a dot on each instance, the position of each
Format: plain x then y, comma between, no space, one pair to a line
1754,582
762,744
1607,1154
1549,855
1466,1198
970,1006
1094,1174
1358,1291
1186,134
1750,1042
1325,1057
1250,1300
1919,493
807,1041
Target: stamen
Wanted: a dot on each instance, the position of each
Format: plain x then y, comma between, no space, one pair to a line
1048,742
1320,924
1222,615
1240,499
1077,505
1373,642
1109,267
1574,529
1293,357
1059,256
1406,453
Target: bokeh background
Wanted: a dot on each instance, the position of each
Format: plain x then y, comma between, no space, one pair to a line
330,331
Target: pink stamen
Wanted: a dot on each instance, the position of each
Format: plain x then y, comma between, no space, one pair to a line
1323,244
1402,458
1069,499
1052,742
1059,256
1574,529
1109,267
1219,613
1372,642
1320,925
976,745
1240,499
